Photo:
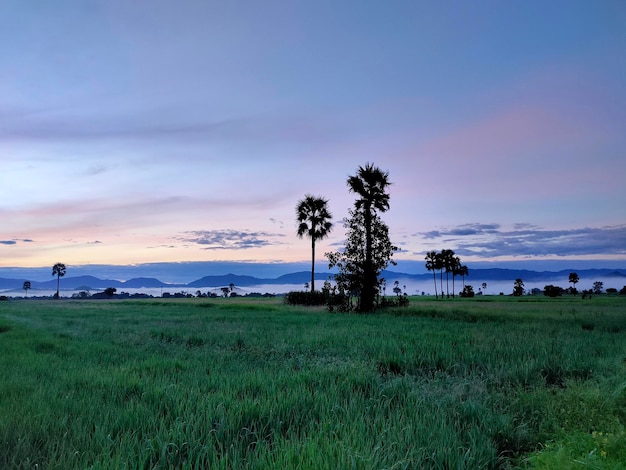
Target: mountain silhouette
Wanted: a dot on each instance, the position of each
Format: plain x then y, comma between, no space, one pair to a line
302,277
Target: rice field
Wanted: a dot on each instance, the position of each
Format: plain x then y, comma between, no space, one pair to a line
253,383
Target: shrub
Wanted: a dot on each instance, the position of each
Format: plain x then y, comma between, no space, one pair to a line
468,291
552,291
306,298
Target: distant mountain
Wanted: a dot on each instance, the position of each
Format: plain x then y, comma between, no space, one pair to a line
139,282
226,280
245,281
302,277
83,283
498,274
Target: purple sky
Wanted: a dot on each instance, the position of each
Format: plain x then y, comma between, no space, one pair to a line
148,132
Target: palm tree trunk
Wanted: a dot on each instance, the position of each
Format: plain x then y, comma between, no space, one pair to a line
453,285
435,281
367,290
58,282
312,264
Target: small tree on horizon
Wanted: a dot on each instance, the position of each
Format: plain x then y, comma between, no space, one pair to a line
26,287
518,287
597,287
58,270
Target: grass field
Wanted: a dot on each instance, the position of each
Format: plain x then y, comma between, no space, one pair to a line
235,383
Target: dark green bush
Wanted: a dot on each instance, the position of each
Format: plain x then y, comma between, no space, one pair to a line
306,298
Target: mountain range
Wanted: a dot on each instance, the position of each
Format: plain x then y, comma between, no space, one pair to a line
302,277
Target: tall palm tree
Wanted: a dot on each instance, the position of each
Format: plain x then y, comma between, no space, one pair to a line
370,184
463,271
448,261
439,265
455,267
58,270
431,260
314,221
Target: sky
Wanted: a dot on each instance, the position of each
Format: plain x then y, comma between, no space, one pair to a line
162,131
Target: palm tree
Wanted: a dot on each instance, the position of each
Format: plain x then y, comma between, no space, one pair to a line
448,262
463,271
370,184
439,265
314,221
26,286
518,287
573,279
455,268
58,270
431,265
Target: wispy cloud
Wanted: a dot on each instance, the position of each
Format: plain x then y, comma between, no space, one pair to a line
525,240
229,239
15,241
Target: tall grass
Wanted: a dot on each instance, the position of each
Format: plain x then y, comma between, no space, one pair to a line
234,383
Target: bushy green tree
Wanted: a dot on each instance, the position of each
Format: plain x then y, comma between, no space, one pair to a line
518,287
356,269
468,291
368,249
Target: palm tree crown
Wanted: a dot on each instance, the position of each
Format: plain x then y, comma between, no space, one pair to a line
313,221
371,184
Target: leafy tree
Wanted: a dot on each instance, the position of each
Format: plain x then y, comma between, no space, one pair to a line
314,221
484,286
468,291
26,287
110,291
552,291
370,184
597,287
573,279
396,288
59,271
518,287
431,265
353,263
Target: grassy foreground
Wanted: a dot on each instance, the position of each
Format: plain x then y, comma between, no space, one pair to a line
235,383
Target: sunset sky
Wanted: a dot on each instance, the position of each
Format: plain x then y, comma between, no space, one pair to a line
171,131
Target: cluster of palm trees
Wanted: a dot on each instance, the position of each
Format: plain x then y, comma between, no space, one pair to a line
445,261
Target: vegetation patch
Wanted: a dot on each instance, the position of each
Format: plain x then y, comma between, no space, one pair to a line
260,384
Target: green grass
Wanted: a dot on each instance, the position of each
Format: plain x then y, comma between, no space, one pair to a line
240,383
